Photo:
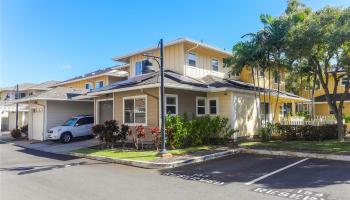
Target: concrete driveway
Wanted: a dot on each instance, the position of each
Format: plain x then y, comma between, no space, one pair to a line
50,146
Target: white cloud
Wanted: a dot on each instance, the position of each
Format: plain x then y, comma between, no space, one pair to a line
65,67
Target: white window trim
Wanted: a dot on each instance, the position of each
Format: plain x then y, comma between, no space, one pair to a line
205,106
217,105
91,84
188,59
140,60
176,103
211,64
146,115
98,82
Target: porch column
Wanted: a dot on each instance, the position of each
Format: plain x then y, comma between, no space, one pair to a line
293,108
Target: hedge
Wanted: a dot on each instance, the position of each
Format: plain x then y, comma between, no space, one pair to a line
308,132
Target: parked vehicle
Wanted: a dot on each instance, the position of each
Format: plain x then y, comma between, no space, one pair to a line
75,127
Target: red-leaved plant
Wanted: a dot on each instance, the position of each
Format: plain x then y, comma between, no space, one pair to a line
141,135
156,136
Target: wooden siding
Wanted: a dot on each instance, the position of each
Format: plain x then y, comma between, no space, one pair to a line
246,76
173,59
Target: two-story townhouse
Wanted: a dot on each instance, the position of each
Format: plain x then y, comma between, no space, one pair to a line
275,107
196,83
9,94
321,108
55,106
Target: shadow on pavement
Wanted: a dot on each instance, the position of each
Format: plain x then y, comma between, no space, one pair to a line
34,169
43,154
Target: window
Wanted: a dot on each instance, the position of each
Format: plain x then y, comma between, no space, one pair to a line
140,67
200,105
285,109
345,80
135,110
213,106
20,95
215,65
276,77
192,59
171,104
88,86
264,108
99,84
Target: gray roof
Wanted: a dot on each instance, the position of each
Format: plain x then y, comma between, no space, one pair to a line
31,86
58,93
173,78
95,73
322,98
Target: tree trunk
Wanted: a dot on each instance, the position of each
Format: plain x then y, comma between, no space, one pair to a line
340,126
257,103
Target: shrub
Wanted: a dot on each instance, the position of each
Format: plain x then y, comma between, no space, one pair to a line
182,132
347,118
98,129
266,132
24,130
16,133
307,132
141,135
155,131
109,133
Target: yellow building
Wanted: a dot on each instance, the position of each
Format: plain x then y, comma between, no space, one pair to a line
196,83
321,107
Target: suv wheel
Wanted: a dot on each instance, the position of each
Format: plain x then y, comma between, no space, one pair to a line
66,137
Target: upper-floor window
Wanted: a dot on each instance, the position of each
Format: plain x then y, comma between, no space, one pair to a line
20,95
89,86
99,84
261,72
192,59
345,80
140,67
171,104
215,65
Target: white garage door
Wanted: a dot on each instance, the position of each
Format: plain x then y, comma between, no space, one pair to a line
38,125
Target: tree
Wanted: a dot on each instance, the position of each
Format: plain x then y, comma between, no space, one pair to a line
323,38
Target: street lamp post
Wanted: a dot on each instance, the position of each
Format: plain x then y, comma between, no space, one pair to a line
163,152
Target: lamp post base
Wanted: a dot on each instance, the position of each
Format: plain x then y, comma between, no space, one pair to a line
165,154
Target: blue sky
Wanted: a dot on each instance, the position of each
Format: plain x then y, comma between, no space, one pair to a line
57,39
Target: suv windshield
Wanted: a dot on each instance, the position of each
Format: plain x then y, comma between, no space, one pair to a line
70,122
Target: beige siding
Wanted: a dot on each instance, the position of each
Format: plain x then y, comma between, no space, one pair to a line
186,100
173,59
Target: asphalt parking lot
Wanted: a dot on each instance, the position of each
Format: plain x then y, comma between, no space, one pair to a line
284,177
37,175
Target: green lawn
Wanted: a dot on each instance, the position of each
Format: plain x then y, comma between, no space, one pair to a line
330,146
136,155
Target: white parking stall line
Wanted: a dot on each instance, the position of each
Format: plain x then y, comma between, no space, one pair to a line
275,172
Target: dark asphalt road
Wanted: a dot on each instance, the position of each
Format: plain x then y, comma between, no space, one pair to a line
28,174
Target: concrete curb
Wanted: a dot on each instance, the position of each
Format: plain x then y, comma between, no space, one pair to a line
153,165
296,154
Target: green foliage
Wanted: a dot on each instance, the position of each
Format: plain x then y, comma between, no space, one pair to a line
109,133
305,114
307,132
266,132
16,133
347,118
183,132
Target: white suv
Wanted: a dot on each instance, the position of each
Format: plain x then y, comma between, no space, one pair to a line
75,127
